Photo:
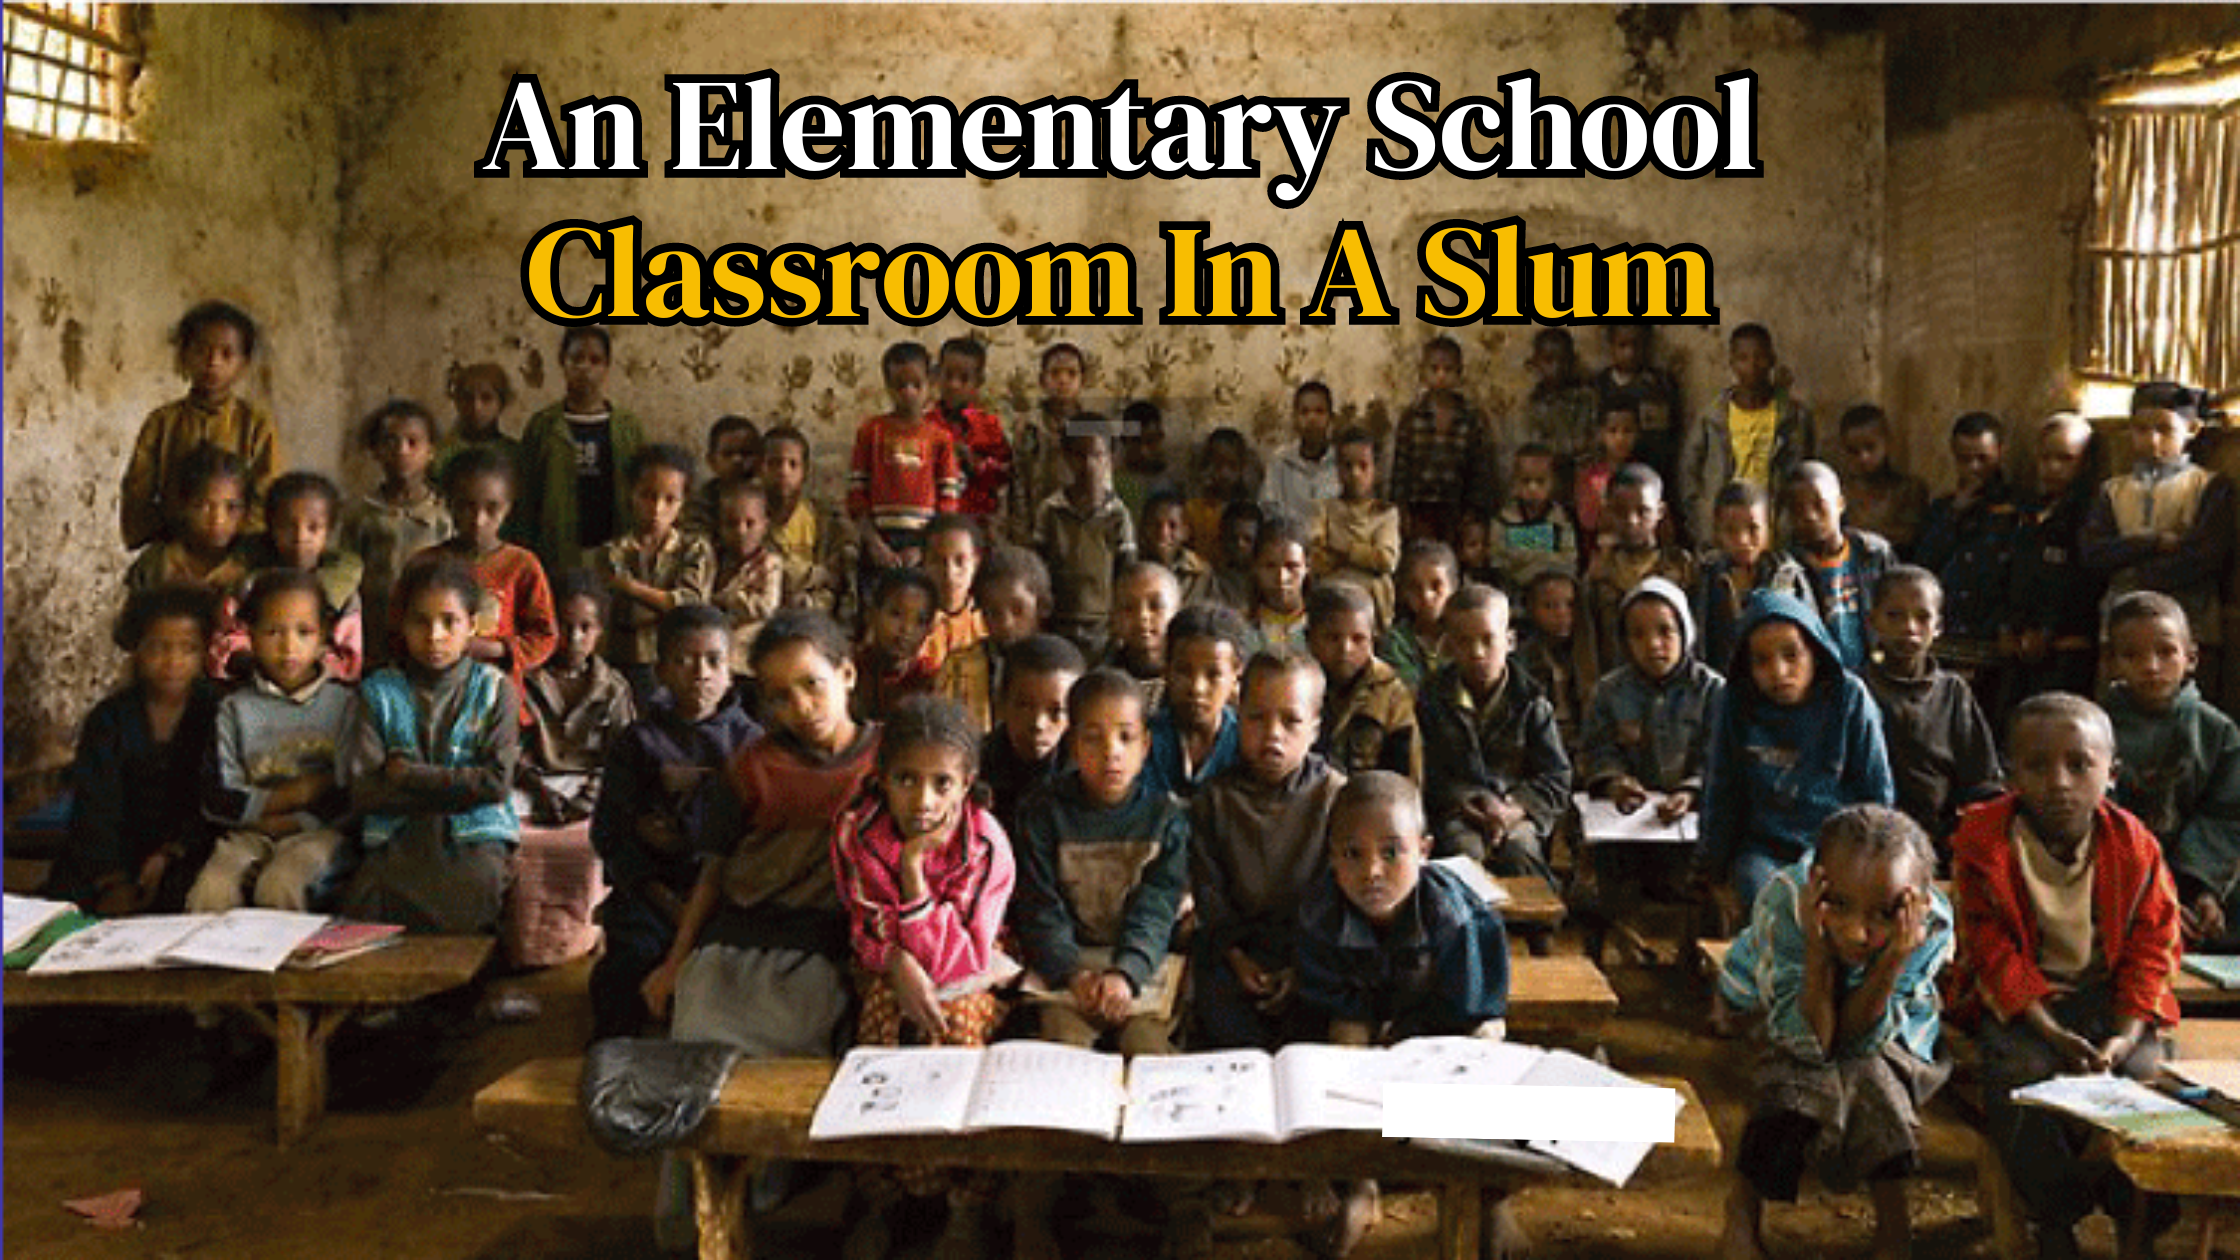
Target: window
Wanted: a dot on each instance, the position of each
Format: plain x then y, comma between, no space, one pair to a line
69,69
2160,259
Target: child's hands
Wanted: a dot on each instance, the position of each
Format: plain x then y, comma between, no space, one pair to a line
2201,919
1282,983
1627,794
1675,806
1907,935
913,991
680,780
660,985
2075,1053
151,874
1808,916
483,648
395,767
2168,541
660,833
2114,1051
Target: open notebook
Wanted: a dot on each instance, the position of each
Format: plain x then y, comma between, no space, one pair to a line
247,939
1601,823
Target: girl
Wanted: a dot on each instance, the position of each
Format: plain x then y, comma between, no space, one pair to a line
136,830
578,705
925,875
513,626
300,510
403,517
480,393
215,342
209,497
429,763
1427,579
574,496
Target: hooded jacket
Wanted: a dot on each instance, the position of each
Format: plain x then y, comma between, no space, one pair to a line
1655,730
1775,772
2178,771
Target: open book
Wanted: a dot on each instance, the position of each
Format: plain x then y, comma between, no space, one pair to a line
2117,1104
22,918
1601,823
247,939
889,1091
1252,1096
2222,970
1156,998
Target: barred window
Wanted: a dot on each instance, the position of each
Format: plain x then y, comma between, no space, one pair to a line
2159,272
69,69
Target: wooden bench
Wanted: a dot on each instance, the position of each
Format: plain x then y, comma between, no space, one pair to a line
1565,996
2196,993
1531,903
765,1109
305,1007
2201,1169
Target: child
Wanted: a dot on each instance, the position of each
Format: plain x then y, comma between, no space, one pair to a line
1427,579
1617,433
2167,525
1530,535
480,393
1232,583
1031,721
434,752
1473,549
1754,431
1841,564
1194,731
952,560
983,452
1145,598
1629,554
514,628
1104,861
1442,448
1967,540
1144,471
654,567
750,577
1943,757
203,547
1356,536
574,492
2053,600
299,511
1368,714
215,342
1163,537
890,663
1495,776
1840,964
813,545
1224,481
403,517
273,789
1884,498
734,452
1796,739
2068,937
1391,947
1741,563
925,876
640,829
1012,593
2177,762
1560,411
1558,654
1301,477
904,471
136,829
1085,534
1037,469
1258,832
1278,616
1632,378
578,705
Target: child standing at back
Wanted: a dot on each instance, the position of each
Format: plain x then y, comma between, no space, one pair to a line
1558,652
1224,481
1968,541
1942,754
1531,535
480,393
1144,471
215,342
1085,534
2053,600
1145,599
1632,378
1301,477
1841,564
1617,434
750,578
1022,750
1427,578
575,455
1560,411
1037,466
1236,544
655,566
1630,554
1163,537
1442,449
904,471
2177,762
1356,536
1884,498
300,510
404,516
952,560
1278,616
890,661
814,546
514,627
1754,431
2167,525
578,706
1839,963
1368,714
2068,937
1744,561
734,453
208,552
983,452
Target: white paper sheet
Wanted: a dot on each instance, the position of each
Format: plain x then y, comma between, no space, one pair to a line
1613,1162
2218,1076
134,944
21,918
1225,1095
1601,823
1038,1085
246,939
1474,877
882,1091
1323,1087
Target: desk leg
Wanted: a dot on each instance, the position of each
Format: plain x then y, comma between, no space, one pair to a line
719,1205
300,1035
1460,1219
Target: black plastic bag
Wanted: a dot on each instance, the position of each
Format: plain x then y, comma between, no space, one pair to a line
640,1095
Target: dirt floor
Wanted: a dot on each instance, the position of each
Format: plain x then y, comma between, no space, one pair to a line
398,1168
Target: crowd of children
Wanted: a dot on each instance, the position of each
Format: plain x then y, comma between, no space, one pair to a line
1032,690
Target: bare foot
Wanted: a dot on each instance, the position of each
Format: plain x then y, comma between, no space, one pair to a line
1234,1198
1501,1237
1356,1214
1319,1201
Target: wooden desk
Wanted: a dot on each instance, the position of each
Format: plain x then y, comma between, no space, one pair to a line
2198,994
766,1105
1565,994
306,1007
1531,903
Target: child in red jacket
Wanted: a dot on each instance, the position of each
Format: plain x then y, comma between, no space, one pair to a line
2068,937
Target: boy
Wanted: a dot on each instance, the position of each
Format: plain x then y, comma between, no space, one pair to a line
1796,738
1441,448
2177,763
734,451
578,705
1884,498
1012,592
1257,844
1356,536
216,342
952,560
1391,947
1299,478
1144,471
1743,562
1037,467
641,828
1967,540
1655,398
1841,564
1941,750
574,492
2068,936
1368,715
904,470
1145,598
1531,535
1031,719
983,452
1840,961
300,512
1224,477
1194,731
1083,531
1559,411
1559,654
815,546
1427,579
656,566
749,585
1163,537
1629,554
514,628
1617,433
1495,776
1279,587
2053,600
1237,542
1754,431
890,662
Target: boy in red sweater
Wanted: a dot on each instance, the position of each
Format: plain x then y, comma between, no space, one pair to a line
2068,936
904,471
